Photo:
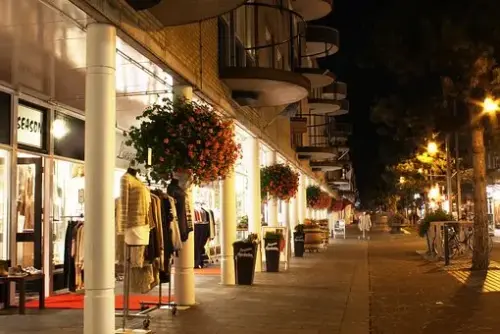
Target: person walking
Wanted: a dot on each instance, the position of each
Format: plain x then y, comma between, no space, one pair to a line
365,224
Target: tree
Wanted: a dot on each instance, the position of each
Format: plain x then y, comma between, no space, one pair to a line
450,45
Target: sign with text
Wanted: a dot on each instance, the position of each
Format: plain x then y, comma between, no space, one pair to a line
30,126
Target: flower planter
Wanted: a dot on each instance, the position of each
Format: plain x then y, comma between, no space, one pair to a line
313,240
272,248
245,255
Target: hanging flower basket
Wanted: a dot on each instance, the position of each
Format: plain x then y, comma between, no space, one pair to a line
185,137
317,199
325,201
278,181
312,196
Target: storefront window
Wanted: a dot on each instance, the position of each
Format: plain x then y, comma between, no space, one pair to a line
68,201
4,204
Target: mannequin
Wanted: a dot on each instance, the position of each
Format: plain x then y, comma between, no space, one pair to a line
134,203
177,189
364,225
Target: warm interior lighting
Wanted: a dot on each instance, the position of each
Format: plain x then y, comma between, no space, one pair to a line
59,129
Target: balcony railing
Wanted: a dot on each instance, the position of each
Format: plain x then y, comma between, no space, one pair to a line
261,35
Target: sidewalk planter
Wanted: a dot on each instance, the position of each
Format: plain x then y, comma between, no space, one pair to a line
245,255
313,240
298,243
272,245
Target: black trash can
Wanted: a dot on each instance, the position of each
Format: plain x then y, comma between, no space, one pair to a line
272,247
244,262
298,243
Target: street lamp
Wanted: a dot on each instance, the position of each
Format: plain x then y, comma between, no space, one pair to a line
432,148
490,106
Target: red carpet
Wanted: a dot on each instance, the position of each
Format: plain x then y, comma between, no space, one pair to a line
76,301
208,271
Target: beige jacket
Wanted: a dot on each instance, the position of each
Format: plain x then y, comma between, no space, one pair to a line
134,203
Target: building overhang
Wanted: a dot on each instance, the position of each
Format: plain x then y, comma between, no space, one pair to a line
321,41
335,91
318,77
316,153
179,12
312,9
265,87
326,165
342,110
322,106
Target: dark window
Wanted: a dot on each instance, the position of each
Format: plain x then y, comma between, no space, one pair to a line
69,136
224,45
5,114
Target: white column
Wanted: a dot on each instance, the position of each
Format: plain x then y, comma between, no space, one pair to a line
252,157
228,228
184,290
273,203
100,152
294,212
308,209
301,199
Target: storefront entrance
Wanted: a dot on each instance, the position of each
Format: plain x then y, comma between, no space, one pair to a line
29,213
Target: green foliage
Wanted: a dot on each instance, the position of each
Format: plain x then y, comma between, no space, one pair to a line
313,194
279,181
273,236
184,137
396,219
435,216
299,228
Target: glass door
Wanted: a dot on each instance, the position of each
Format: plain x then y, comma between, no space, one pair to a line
29,211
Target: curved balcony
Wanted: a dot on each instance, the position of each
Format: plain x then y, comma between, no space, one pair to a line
343,110
318,77
321,41
312,9
335,91
326,165
179,12
321,105
261,73
317,146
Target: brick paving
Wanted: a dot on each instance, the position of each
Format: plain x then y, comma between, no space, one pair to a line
321,293
411,295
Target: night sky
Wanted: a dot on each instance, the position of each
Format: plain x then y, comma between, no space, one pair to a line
353,19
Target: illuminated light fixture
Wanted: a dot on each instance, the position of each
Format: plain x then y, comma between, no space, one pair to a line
402,180
59,129
432,148
490,105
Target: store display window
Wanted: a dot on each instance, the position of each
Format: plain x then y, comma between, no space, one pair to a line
29,199
4,204
69,136
68,201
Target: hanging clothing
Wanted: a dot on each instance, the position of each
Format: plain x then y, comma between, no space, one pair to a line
183,209
135,201
69,267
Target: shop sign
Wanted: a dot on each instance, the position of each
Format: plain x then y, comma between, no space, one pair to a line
30,126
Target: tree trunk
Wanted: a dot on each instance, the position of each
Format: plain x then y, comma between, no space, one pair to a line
480,255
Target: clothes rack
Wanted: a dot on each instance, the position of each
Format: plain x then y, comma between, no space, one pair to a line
125,314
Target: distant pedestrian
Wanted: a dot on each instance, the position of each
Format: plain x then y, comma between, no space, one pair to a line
365,224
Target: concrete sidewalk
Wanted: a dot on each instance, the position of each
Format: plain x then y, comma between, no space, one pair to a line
410,295
321,293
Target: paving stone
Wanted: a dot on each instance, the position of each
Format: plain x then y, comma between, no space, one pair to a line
320,293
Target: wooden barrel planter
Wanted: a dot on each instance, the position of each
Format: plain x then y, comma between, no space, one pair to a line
313,238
